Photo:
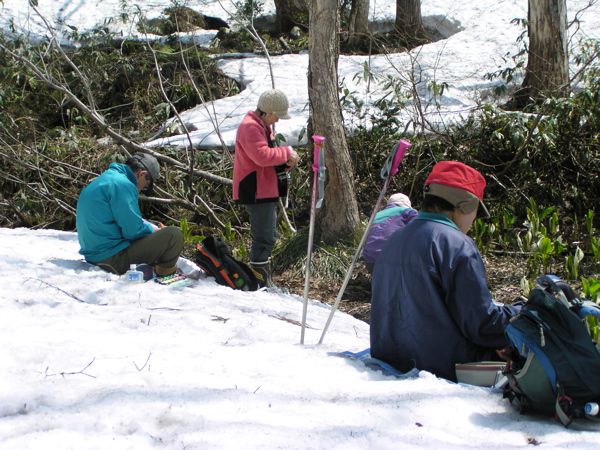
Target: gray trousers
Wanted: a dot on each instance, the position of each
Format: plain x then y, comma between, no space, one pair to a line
161,248
263,225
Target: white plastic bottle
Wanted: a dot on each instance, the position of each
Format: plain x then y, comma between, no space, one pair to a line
591,409
133,275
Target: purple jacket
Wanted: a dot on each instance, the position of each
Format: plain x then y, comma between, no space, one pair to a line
387,221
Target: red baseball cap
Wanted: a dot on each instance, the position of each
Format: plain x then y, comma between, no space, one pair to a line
457,183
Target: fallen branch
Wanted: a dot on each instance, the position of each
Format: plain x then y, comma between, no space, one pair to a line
139,369
57,288
287,319
79,372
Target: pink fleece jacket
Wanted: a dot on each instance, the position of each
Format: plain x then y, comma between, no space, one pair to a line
254,176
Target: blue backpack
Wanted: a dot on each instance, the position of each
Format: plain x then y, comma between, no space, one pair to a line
554,365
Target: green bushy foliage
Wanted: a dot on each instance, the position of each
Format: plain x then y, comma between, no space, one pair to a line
175,19
551,153
240,40
122,77
546,155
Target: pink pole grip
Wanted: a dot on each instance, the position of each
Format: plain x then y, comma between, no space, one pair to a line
318,142
399,155
318,139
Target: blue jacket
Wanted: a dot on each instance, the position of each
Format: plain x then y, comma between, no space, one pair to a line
386,222
430,305
108,214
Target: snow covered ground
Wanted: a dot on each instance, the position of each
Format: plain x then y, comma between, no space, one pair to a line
92,362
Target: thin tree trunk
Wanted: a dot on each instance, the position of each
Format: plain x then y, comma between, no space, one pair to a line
286,12
409,22
358,25
547,66
339,216
359,17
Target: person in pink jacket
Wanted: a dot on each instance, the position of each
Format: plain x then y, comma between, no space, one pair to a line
259,176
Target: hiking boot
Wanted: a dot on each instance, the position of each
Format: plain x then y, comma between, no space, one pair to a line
262,271
161,271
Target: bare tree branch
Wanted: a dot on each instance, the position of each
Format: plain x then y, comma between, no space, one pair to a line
132,146
79,372
55,287
139,369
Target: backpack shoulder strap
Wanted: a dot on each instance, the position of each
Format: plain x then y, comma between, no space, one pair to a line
215,263
564,409
242,270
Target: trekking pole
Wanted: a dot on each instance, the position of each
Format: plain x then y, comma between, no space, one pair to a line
318,168
389,169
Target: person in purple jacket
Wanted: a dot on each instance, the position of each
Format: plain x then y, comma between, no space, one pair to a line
431,307
394,216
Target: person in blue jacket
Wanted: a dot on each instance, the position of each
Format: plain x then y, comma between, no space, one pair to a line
431,307
111,230
394,216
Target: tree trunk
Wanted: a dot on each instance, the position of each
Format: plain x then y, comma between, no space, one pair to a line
409,23
359,17
339,216
547,65
358,24
286,12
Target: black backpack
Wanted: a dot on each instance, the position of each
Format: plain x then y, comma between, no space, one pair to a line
555,365
214,257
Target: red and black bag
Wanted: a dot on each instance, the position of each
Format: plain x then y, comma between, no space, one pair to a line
215,258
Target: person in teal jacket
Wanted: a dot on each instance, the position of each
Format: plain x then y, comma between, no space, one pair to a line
111,230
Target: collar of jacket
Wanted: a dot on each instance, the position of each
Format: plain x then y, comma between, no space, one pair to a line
124,169
257,119
436,217
388,212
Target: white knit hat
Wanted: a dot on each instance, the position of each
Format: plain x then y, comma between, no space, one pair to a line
399,199
274,101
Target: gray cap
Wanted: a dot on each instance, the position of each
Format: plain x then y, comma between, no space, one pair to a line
150,163
274,101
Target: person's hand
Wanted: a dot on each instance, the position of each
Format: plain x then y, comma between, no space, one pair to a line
293,159
505,354
155,224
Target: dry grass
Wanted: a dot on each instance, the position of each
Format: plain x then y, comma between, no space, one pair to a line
503,273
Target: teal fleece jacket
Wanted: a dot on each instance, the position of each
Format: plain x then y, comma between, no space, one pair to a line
108,214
